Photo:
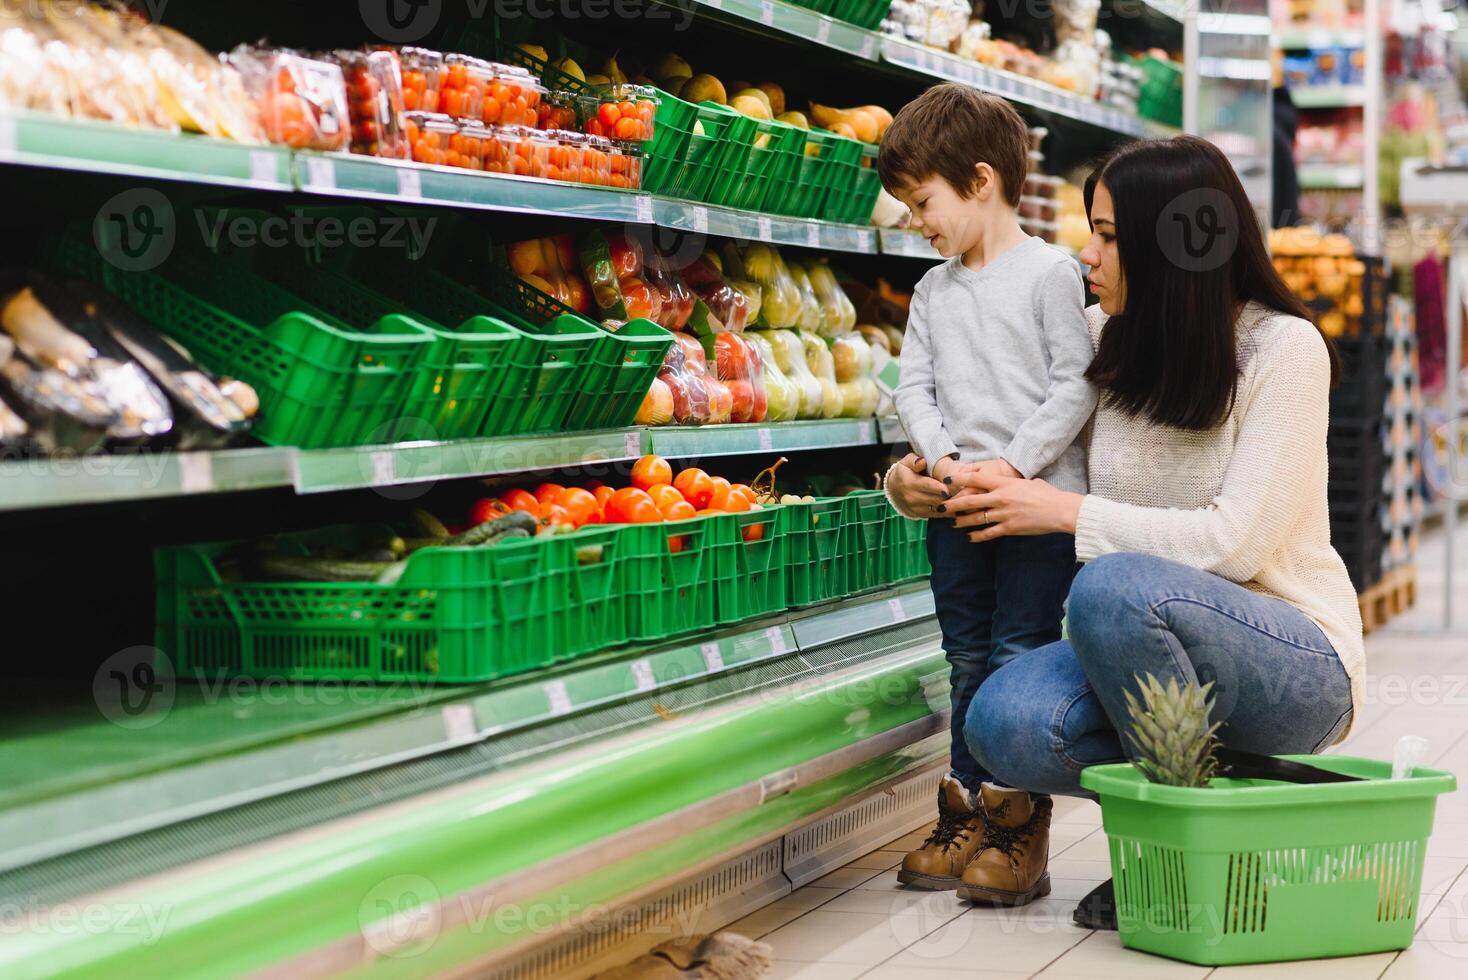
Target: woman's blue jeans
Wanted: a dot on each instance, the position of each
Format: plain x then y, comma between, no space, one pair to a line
1279,686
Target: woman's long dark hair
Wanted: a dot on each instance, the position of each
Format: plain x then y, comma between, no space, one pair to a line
1171,353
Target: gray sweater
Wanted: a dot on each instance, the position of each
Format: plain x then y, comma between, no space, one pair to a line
994,362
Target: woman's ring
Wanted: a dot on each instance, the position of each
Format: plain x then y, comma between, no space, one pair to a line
986,517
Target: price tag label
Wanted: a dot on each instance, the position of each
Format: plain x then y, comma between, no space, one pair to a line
898,613
866,241
632,443
766,13
713,657
813,235
384,468
8,139
459,724
642,675
264,167
765,441
557,697
410,183
762,227
700,219
776,637
321,173
823,31
868,44
644,209
195,472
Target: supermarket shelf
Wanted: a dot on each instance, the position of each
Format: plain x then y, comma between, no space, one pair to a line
37,483
900,241
724,440
1017,88
708,219
890,430
1329,96
1330,177
40,140
1302,40
345,175
801,22
356,467
1173,10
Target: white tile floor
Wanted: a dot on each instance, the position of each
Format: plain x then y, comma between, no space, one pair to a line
859,922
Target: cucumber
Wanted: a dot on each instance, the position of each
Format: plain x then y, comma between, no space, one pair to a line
293,568
491,531
425,525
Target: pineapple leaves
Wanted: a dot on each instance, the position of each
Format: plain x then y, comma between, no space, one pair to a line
1170,731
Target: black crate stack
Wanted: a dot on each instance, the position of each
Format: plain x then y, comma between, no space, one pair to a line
1357,444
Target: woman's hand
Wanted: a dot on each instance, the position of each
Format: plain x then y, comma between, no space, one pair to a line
912,490
999,506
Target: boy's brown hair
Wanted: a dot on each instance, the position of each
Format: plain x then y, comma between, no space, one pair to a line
948,130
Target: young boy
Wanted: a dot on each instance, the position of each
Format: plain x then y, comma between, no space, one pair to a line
993,379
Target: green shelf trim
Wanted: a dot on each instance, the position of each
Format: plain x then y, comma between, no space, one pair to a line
781,437
276,904
1315,176
802,22
709,219
900,241
37,483
40,140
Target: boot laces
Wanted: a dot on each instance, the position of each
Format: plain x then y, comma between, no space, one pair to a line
953,829
1007,839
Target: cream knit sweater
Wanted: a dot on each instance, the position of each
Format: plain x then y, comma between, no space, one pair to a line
1245,500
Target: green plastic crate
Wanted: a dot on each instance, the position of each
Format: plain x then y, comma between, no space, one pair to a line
546,371
462,374
1251,871
854,189
802,192
864,561
770,162
672,133
813,537
624,361
905,549
718,161
457,614
320,383
670,576
757,586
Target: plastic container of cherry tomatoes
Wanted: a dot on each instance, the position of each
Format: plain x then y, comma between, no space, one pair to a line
597,162
429,134
625,112
422,72
302,101
513,97
374,102
465,82
559,110
469,146
626,169
499,150
532,150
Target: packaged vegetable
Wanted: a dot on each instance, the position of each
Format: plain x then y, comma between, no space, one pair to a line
374,102
200,91
790,358
422,72
113,81
720,307
675,300
461,92
511,97
657,405
763,265
838,315
61,414
818,358
684,371
302,101
783,394
738,365
550,266
810,306
612,263
625,112
851,356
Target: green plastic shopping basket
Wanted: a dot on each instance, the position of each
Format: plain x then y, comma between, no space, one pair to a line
1255,870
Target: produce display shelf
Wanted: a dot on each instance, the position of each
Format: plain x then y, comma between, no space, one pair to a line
348,175
708,219
209,746
900,241
40,140
1173,10
1017,88
1329,96
802,22
890,430
722,440
28,484
1330,177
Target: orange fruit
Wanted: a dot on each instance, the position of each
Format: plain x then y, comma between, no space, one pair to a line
753,532
487,509
649,471
518,499
548,491
631,506
744,491
696,486
733,502
681,511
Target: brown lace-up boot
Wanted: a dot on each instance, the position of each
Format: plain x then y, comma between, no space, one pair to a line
952,844
1010,866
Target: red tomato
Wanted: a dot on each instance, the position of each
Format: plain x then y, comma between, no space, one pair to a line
730,502
632,506
602,493
518,499
551,514
753,532
608,114
487,509
548,491
580,505
664,496
649,471
695,486
681,511
744,491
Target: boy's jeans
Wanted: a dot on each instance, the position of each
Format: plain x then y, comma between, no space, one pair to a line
995,601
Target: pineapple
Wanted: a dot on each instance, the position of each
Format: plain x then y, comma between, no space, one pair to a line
1171,731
